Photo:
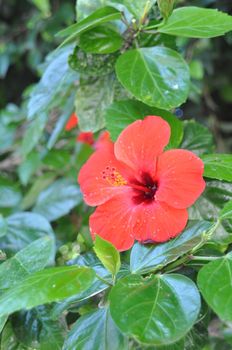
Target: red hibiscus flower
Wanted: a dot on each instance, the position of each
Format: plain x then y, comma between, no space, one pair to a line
72,122
141,192
86,137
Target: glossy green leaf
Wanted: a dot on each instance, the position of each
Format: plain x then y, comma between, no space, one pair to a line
23,229
36,326
107,254
197,138
95,330
85,8
122,113
97,285
28,260
215,283
91,100
46,286
158,310
101,40
208,207
226,212
147,258
9,340
218,166
34,133
138,7
58,199
3,226
158,76
100,16
196,22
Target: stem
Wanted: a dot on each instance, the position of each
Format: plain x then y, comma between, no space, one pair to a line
177,263
152,27
190,257
151,31
203,258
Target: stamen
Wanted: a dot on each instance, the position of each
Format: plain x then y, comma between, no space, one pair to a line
113,177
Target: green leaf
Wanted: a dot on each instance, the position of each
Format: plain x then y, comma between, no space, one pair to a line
7,135
9,340
37,327
100,16
85,8
226,212
10,196
22,229
30,259
158,76
107,254
58,159
55,83
137,7
101,40
215,283
46,286
166,7
122,113
197,138
208,207
97,286
218,166
158,310
95,330
91,100
28,167
38,186
58,199
196,22
3,226
147,258
34,133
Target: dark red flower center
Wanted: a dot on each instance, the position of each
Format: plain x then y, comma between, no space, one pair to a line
144,190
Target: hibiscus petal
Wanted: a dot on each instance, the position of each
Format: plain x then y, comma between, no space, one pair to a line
141,142
72,122
158,222
102,176
113,221
180,178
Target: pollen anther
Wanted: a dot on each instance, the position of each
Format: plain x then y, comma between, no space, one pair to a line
113,177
